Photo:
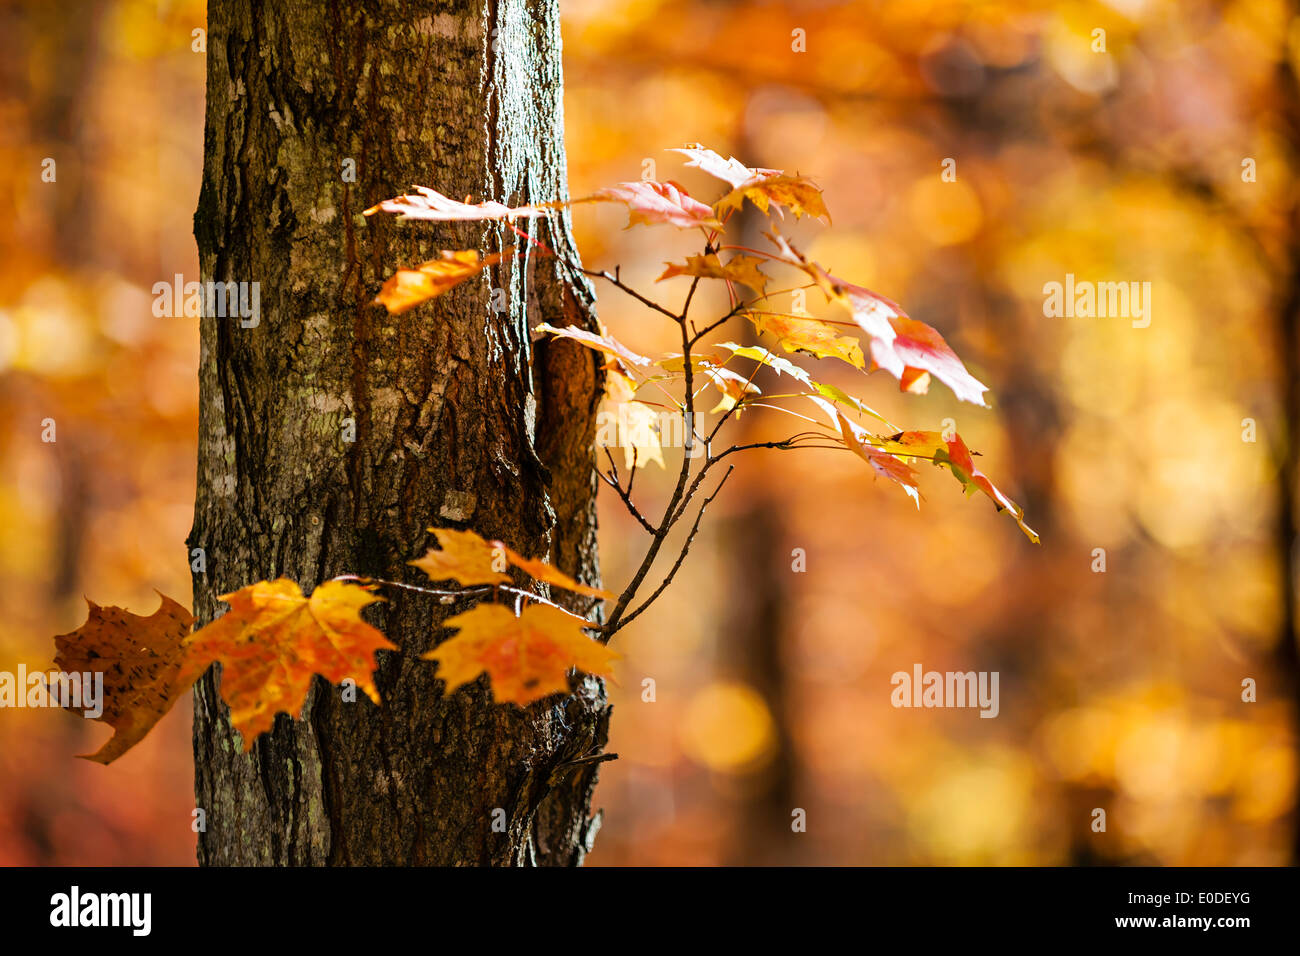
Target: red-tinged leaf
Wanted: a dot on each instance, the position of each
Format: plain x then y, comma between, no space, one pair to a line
731,171
140,660
908,349
273,641
742,269
963,466
956,457
527,657
434,206
651,203
859,441
601,343
407,288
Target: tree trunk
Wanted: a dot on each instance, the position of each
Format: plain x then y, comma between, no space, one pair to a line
459,420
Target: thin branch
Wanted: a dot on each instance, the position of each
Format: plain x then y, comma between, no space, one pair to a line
686,547
627,500
618,283
449,597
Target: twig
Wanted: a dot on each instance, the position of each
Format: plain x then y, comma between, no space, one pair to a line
686,547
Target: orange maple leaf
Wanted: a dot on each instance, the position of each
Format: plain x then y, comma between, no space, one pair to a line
273,640
407,288
527,657
140,658
469,559
465,558
760,186
552,575
952,453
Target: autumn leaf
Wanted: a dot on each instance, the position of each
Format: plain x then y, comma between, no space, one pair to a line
465,558
797,193
760,186
273,640
799,334
908,349
435,206
859,441
636,423
742,269
407,288
731,171
757,353
140,658
732,385
963,466
651,203
469,559
552,575
952,453
527,657
601,343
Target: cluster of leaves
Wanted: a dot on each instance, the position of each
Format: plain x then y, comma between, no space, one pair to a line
274,639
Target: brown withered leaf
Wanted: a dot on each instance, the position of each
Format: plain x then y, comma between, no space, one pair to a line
140,658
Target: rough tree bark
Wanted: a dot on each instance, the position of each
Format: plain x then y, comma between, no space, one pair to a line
459,420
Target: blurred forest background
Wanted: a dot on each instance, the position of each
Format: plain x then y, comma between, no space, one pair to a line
1119,690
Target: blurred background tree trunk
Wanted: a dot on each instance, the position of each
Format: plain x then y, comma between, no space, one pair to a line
332,435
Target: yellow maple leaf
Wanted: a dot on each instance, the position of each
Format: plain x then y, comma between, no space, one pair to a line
799,334
527,657
273,640
140,658
465,558
742,269
796,193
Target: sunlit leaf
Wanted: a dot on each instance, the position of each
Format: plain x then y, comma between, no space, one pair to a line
526,657
742,269
407,288
465,558
799,334
431,205
651,203
273,641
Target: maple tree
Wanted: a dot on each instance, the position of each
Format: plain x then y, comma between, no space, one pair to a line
274,639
